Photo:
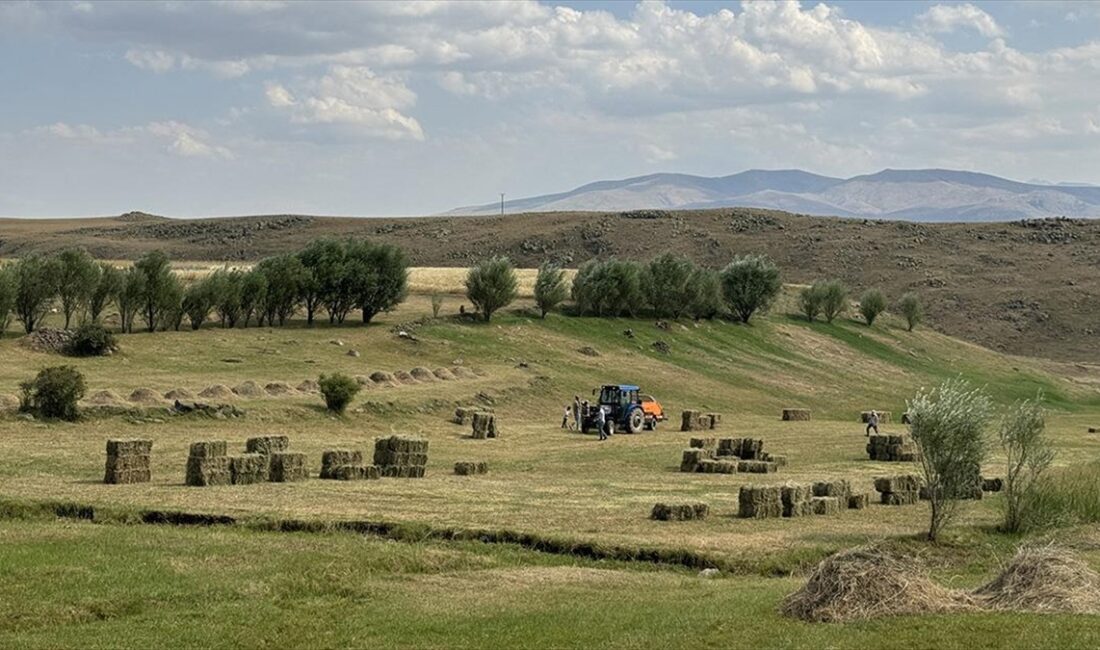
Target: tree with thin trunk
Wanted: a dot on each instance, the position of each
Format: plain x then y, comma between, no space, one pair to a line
550,289
750,285
108,284
1029,455
491,285
35,288
911,309
871,304
77,277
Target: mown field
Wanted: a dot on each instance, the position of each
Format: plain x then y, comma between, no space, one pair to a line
338,589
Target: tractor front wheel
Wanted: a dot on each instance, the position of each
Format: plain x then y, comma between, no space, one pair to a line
635,421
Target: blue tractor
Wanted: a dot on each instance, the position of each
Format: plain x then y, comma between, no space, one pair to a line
625,407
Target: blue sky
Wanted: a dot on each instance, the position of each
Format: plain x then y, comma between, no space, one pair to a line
197,109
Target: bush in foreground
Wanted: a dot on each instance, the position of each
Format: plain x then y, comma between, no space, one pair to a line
91,340
338,390
53,393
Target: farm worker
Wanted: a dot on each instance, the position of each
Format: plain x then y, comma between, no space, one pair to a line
872,423
565,418
577,412
601,422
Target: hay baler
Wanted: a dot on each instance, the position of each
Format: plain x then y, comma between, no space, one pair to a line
624,405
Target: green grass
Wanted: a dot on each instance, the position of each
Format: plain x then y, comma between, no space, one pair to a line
1065,496
102,586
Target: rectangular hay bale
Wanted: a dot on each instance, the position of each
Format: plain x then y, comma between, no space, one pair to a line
285,467
796,414
246,469
760,501
333,458
208,449
858,501
899,498
208,470
796,499
129,447
703,443
826,505
266,445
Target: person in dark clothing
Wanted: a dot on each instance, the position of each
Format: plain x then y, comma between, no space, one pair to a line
872,423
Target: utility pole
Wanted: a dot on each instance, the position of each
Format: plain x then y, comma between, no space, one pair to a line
502,204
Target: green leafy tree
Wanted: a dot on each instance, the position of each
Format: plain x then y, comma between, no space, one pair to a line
750,284
35,289
7,297
378,277
285,275
108,284
171,312
834,299
1029,454
131,297
77,277
491,285
161,288
911,309
198,300
608,288
253,296
224,289
54,393
871,304
809,301
948,425
91,340
706,296
550,289
666,284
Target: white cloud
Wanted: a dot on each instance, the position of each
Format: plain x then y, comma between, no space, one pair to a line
154,60
278,96
948,18
172,137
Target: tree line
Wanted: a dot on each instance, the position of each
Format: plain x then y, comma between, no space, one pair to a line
330,276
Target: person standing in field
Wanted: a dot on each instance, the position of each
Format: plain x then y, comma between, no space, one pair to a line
601,422
577,412
565,423
872,423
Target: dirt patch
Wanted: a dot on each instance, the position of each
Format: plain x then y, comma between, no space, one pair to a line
1044,579
217,391
865,583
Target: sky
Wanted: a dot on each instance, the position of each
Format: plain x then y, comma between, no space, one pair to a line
228,108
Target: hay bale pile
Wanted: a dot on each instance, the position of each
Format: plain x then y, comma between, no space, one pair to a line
712,466
703,443
865,583
1044,579
796,499
780,460
246,469
826,505
401,456
467,468
127,461
693,457
465,414
208,464
266,445
484,425
756,467
893,449
841,489
883,417
285,467
760,501
901,490
346,465
679,512
727,455
743,448
697,421
796,415
858,501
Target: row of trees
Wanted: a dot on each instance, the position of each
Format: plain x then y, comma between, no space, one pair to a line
829,299
328,275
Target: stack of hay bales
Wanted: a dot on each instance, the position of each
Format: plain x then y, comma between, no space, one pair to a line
466,468
484,425
841,489
697,421
128,461
401,456
727,455
246,469
825,505
282,466
883,417
794,414
464,414
901,490
693,457
714,466
346,465
743,448
780,460
797,499
756,467
760,501
893,449
703,443
858,501
679,512
208,464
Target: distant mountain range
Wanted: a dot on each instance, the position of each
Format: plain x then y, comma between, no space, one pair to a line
914,195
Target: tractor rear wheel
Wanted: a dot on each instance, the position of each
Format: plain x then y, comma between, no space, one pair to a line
635,421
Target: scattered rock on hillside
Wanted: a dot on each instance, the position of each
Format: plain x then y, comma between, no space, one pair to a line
589,351
47,339
214,411
353,353
662,347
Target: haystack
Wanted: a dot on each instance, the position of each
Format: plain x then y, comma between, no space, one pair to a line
279,389
467,468
796,499
309,386
246,469
865,583
146,396
760,501
484,425
756,467
679,511
901,490
286,466
1045,579
333,458
780,460
892,448
208,464
703,443
401,456
421,373
105,398
266,445
840,488
443,374
248,389
691,420
693,457
8,403
826,505
403,377
858,501
715,419
128,461
795,414
383,378
464,414
217,391
461,372
179,394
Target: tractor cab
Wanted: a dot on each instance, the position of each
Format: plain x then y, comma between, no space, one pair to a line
623,406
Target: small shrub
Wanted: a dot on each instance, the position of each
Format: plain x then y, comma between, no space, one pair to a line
91,340
53,393
834,299
871,304
437,304
338,391
809,301
911,309
750,284
491,285
550,289
1029,456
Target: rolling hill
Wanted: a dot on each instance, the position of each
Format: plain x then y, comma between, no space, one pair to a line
915,195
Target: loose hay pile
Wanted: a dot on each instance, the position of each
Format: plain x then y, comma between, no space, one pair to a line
178,394
401,457
679,512
404,377
1044,579
901,490
483,425
208,464
465,468
146,396
127,461
443,374
217,391
792,414
105,398
892,448
865,583
309,386
279,389
383,378
249,389
423,374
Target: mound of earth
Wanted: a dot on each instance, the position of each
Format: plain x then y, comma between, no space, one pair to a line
279,388
217,391
865,583
47,339
1044,579
421,373
249,389
145,396
179,393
